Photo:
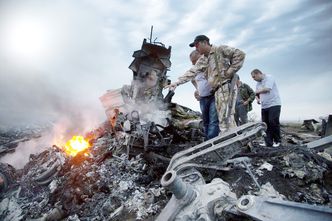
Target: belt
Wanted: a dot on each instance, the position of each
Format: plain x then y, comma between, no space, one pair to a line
226,82
222,84
212,94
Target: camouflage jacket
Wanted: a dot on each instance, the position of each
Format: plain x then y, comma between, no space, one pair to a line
199,67
219,66
246,93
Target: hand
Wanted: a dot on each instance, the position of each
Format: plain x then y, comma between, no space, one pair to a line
228,73
171,86
196,94
245,103
258,100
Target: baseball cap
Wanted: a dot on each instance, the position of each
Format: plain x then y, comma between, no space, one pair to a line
198,39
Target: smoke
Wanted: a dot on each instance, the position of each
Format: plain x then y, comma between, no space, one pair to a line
151,112
68,126
59,83
63,85
146,100
22,152
64,127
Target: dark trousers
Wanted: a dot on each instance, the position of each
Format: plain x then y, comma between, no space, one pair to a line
241,114
271,116
210,116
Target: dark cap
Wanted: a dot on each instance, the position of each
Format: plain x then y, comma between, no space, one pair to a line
198,39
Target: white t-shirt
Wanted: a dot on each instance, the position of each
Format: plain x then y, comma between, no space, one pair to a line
203,87
272,97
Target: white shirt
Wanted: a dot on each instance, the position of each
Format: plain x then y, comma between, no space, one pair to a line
203,87
272,97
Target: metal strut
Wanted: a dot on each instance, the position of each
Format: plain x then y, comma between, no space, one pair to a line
262,208
217,151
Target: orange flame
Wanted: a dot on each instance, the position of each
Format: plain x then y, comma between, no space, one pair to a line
76,145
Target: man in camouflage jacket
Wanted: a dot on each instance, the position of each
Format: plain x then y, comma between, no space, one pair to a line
245,97
220,67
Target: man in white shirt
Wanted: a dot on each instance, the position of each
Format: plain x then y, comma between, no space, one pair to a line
267,95
206,99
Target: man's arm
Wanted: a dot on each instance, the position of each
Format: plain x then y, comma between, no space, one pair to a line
196,94
189,75
269,82
236,58
258,99
257,96
263,90
194,83
251,93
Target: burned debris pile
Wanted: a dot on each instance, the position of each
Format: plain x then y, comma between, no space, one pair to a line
139,111
149,161
53,187
117,177
248,181
104,184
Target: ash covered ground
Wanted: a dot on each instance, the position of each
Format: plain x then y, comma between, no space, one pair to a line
104,183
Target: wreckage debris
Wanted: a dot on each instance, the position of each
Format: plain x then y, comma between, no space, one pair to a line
220,200
105,184
322,128
150,148
53,188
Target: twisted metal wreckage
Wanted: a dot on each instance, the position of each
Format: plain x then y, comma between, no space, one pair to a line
102,184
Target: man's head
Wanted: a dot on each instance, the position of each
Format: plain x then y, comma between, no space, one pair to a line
194,55
257,75
202,44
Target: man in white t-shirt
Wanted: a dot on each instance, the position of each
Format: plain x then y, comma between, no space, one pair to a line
267,95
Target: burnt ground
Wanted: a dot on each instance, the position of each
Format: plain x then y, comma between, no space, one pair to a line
106,185
314,188
299,174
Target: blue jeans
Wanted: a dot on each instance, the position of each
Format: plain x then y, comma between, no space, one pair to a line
241,114
210,116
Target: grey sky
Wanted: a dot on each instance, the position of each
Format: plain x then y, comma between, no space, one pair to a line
88,45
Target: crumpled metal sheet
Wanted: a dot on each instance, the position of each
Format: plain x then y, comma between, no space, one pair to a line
297,165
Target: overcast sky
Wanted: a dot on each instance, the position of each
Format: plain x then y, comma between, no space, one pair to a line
59,57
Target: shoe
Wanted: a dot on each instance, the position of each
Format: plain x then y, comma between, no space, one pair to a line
262,144
276,144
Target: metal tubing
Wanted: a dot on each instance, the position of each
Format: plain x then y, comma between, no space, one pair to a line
251,175
174,184
268,209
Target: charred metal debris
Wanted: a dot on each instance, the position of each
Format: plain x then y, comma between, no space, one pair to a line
148,161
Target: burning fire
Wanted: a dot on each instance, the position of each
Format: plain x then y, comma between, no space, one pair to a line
76,145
